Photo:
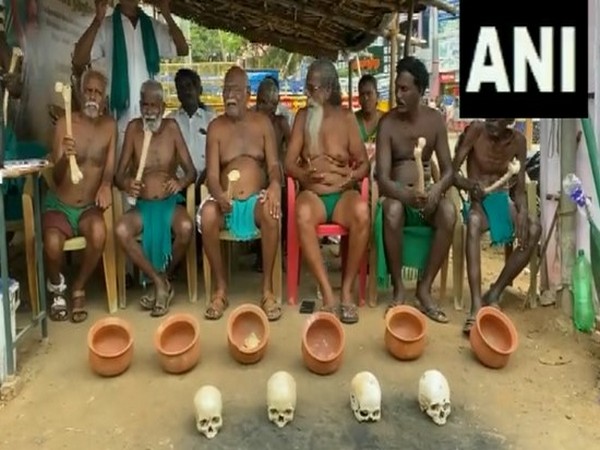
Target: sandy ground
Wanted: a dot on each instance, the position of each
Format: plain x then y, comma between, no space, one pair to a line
546,397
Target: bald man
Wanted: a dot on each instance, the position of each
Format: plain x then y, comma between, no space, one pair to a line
159,215
244,141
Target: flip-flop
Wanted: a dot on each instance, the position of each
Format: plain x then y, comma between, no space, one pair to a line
147,301
214,312
469,323
331,309
271,307
162,307
348,313
434,313
78,311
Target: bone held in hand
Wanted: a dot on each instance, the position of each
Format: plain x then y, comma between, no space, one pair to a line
65,90
513,168
232,178
418,155
14,59
145,147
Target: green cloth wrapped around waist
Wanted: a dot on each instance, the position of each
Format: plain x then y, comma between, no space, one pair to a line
416,244
496,207
240,220
157,218
72,213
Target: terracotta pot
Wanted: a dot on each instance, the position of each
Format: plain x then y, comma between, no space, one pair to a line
323,342
110,346
248,333
493,337
405,332
177,342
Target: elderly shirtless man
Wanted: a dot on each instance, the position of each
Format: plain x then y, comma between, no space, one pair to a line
328,158
158,215
488,149
76,209
417,227
243,141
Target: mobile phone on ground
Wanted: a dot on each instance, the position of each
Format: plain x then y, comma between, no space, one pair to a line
307,306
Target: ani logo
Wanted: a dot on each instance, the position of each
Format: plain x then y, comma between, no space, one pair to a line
523,60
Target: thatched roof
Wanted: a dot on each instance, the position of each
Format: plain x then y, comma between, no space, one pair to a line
310,27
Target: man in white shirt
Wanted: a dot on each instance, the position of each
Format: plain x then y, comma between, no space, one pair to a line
193,118
132,44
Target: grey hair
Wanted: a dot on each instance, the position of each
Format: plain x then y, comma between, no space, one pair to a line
329,78
152,86
92,73
269,87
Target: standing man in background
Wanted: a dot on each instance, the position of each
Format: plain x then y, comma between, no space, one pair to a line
133,44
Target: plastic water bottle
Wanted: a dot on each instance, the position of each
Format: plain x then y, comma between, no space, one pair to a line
584,316
573,188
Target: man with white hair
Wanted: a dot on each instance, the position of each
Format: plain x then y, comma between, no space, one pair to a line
328,158
158,213
71,210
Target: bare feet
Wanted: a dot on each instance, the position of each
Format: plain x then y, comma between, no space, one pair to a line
428,306
492,297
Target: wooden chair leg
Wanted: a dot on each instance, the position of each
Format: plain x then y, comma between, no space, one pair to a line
192,270
532,294
30,255
109,261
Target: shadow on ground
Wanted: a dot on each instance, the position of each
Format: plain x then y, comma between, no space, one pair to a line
402,427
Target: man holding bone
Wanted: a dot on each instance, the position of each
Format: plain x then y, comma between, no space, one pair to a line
414,221
244,180
328,158
495,155
155,148
76,208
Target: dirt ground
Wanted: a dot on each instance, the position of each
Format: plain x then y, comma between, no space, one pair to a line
547,397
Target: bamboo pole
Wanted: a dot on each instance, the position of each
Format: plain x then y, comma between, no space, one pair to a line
411,13
393,57
568,211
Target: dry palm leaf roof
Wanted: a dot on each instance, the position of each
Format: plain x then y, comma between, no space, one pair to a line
310,27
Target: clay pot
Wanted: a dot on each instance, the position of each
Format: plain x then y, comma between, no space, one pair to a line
405,332
248,333
493,337
177,342
323,342
110,346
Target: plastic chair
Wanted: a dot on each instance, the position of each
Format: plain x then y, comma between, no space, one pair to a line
323,230
228,239
191,263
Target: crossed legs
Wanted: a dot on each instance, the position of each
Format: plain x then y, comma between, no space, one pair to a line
127,231
211,224
353,214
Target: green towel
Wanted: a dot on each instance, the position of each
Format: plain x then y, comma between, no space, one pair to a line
496,207
119,92
157,217
240,221
416,244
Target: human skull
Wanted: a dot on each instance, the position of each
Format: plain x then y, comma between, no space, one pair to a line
209,407
434,396
365,397
281,398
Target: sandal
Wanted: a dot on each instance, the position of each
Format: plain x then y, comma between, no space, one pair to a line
147,301
348,313
271,307
391,305
78,311
434,313
59,311
216,308
331,309
469,323
163,301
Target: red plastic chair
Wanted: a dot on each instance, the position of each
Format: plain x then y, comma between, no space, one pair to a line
329,229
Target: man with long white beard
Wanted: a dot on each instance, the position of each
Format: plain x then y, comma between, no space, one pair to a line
76,210
328,158
164,224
